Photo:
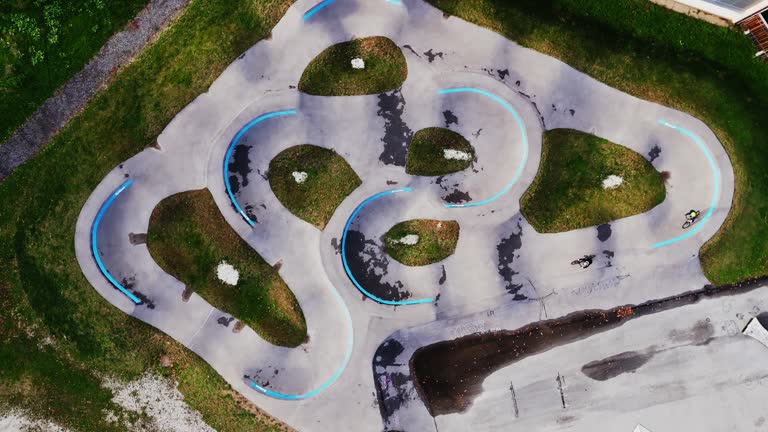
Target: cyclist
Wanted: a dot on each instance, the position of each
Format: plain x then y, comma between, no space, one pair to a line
692,215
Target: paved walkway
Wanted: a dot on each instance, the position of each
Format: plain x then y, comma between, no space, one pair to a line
71,97
500,260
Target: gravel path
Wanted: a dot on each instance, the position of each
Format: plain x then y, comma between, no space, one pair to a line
68,100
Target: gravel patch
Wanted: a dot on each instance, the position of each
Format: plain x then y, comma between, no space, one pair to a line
17,421
227,273
410,240
612,182
299,176
71,98
456,154
159,401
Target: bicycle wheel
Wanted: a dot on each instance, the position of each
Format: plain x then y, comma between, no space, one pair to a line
686,224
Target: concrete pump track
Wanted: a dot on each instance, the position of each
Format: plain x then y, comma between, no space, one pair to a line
496,94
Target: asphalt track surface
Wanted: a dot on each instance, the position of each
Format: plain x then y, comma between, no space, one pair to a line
498,95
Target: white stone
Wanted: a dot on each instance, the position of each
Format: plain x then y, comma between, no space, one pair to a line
410,240
641,428
299,176
358,63
612,182
227,274
456,154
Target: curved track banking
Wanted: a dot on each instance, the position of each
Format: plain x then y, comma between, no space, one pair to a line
231,148
95,241
513,268
344,253
523,135
715,190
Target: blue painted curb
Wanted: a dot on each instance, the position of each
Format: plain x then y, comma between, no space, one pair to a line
344,253
231,148
715,192
523,133
94,241
315,9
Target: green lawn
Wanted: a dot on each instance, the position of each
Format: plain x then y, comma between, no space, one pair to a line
41,285
188,238
425,152
568,192
44,42
331,72
329,179
436,241
672,59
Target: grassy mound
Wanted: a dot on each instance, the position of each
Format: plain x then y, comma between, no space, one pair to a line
329,179
189,237
331,72
568,192
426,156
436,241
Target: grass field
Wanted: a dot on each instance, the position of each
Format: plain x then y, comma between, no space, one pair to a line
329,179
42,290
669,58
436,241
331,72
188,238
44,42
425,152
568,192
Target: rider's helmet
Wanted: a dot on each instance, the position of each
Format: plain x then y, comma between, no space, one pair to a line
694,213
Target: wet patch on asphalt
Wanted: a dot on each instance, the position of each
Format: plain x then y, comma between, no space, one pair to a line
394,384
457,197
604,232
239,167
431,56
368,263
507,250
443,276
654,153
397,134
613,366
410,48
336,245
129,283
450,118
608,254
225,320
701,333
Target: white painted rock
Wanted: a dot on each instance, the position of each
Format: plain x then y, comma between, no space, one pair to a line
612,182
227,274
410,240
456,154
299,176
358,63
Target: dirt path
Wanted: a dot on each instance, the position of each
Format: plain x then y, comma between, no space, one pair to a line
70,98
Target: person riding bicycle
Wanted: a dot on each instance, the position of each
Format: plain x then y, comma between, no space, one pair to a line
692,215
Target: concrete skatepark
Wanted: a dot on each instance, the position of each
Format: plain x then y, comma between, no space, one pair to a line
503,275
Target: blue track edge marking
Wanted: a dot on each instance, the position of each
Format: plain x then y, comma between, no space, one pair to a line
344,252
231,147
524,134
347,355
715,193
94,242
315,9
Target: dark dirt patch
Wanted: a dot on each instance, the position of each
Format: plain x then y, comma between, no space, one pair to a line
700,334
449,374
225,321
665,176
613,366
604,232
443,276
336,245
368,263
397,134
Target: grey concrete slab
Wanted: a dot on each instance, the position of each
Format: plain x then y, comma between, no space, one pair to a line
502,271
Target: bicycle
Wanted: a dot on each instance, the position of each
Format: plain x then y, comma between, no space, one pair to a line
584,262
690,220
